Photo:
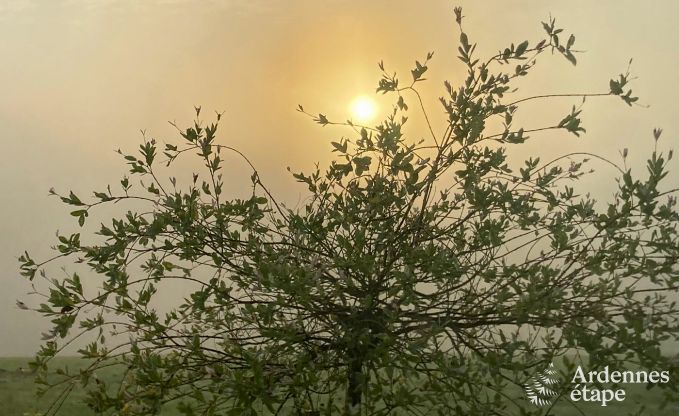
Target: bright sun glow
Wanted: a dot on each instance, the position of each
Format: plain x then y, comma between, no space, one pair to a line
363,109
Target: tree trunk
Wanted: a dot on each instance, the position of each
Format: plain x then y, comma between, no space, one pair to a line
355,384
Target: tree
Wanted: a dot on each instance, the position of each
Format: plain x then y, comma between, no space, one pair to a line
421,277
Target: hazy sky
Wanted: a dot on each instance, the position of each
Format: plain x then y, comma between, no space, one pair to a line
80,78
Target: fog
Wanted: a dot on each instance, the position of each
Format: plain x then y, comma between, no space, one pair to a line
80,78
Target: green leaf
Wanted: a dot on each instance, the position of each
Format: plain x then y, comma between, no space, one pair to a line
571,41
521,48
570,57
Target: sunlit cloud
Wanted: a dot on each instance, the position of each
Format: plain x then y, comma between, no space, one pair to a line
250,6
11,8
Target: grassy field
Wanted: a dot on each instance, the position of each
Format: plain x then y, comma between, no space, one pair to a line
17,390
17,396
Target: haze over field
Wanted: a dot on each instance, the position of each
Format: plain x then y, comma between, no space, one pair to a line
80,78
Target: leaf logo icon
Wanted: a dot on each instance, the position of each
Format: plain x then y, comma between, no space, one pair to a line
540,388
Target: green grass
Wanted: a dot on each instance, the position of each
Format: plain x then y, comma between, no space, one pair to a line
17,395
17,389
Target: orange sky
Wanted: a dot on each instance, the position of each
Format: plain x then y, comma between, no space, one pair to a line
80,78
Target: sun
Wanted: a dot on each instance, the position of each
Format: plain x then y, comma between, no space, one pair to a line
363,109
